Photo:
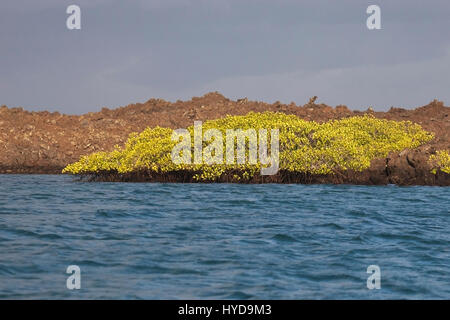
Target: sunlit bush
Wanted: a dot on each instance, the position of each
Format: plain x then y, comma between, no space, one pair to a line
305,146
440,161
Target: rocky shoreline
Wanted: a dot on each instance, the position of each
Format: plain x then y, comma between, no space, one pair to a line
44,142
406,168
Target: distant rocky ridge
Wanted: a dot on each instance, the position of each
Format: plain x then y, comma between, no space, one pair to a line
45,142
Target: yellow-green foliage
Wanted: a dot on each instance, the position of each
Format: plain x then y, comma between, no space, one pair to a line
305,146
440,161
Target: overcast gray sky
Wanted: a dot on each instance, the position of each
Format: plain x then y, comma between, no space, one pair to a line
286,50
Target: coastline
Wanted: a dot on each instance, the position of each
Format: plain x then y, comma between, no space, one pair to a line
44,142
405,168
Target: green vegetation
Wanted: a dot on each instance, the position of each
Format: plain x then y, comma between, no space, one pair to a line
440,161
304,146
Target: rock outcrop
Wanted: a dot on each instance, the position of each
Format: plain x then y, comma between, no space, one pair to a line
45,142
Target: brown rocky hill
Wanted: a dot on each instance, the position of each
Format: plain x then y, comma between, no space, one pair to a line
44,142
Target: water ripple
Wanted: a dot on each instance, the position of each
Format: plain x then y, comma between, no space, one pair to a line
221,241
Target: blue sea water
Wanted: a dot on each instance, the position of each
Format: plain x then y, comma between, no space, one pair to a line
221,241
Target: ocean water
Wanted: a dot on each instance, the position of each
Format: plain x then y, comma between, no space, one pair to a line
221,241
